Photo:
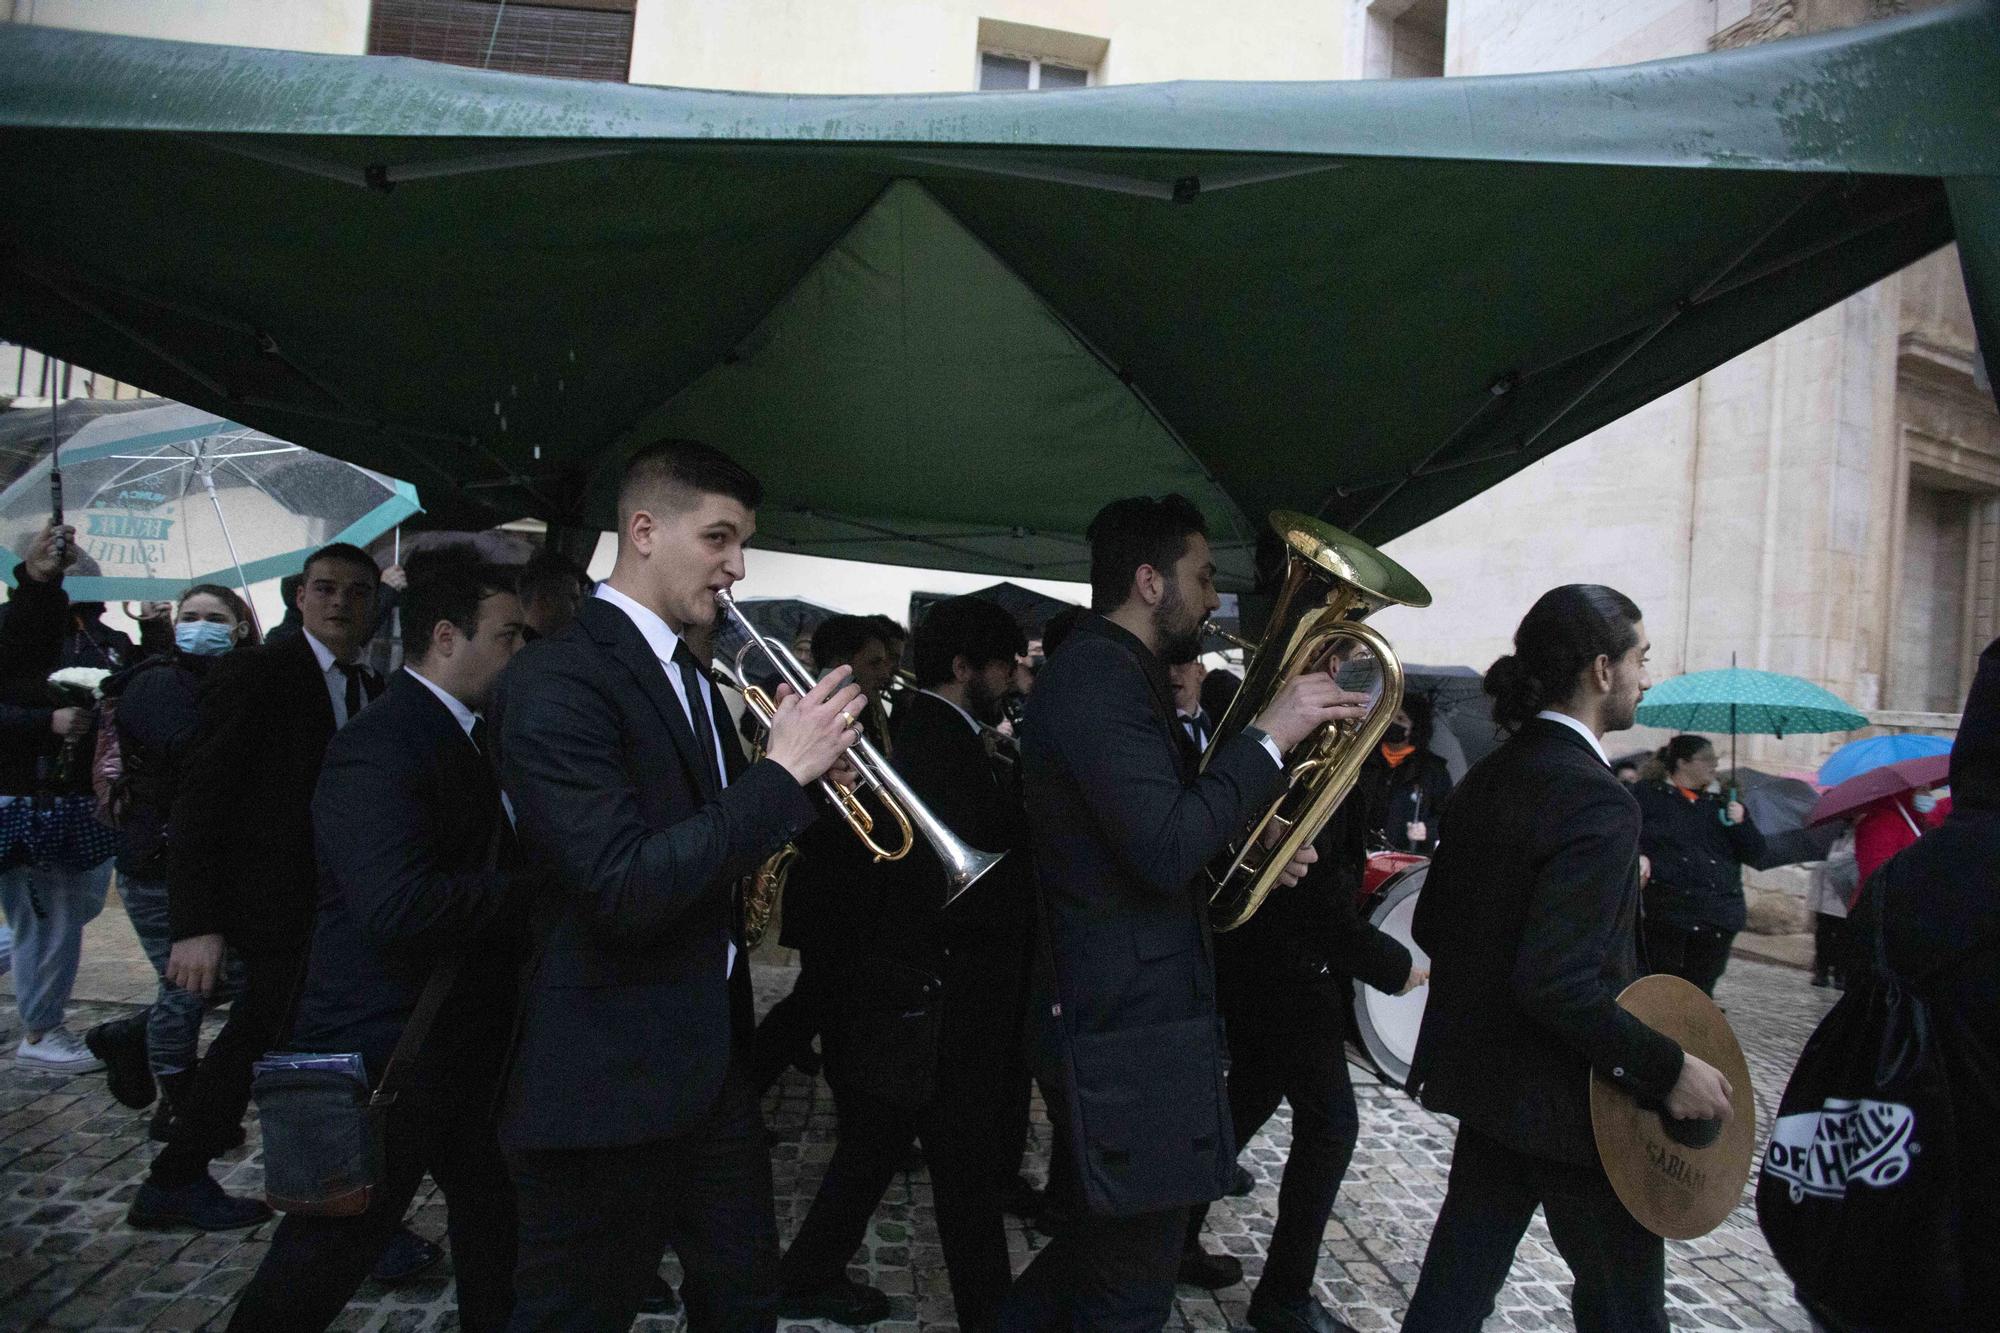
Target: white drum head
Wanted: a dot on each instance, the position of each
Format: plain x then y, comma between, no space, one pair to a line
1388,1024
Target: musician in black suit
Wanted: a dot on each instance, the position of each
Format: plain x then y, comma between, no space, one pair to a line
416,862
1529,917
832,870
241,866
1189,714
938,991
1128,1044
628,1119
1284,977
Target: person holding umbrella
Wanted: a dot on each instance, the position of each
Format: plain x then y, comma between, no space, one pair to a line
1697,844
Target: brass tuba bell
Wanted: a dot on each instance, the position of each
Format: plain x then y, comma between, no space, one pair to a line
1332,582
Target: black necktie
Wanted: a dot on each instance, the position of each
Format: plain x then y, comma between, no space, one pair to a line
694,681
478,734
362,686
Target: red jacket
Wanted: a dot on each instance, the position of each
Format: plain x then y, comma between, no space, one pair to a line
1887,827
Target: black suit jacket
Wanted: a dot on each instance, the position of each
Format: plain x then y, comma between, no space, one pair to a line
1121,828
1529,915
415,860
1286,969
241,858
626,1018
946,763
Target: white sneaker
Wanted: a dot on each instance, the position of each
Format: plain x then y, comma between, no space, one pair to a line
60,1051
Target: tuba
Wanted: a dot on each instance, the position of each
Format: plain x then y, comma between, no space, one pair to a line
1332,582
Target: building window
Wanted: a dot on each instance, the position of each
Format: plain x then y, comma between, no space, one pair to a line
1019,57
570,39
1405,39
999,72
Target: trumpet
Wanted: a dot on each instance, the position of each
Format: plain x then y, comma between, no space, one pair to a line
1332,582
963,863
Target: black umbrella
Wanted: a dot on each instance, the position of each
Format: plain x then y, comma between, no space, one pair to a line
1031,610
1780,807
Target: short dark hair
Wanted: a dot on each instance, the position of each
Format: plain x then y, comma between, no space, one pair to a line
968,627
1218,691
1057,628
892,628
230,598
1139,530
676,473
447,583
1566,630
1423,720
547,571
841,638
343,553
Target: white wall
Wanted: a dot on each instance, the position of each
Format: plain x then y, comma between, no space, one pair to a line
891,46
337,27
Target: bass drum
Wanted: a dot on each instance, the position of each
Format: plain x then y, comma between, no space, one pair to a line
1385,1026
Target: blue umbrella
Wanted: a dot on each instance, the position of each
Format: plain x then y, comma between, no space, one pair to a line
1857,757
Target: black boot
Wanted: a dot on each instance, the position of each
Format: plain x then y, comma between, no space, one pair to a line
1210,1272
121,1044
200,1204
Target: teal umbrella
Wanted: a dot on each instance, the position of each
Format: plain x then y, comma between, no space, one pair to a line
1760,703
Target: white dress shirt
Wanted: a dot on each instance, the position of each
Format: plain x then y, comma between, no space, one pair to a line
662,640
1550,715
336,679
462,715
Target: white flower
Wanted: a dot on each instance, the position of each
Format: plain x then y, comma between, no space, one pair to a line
80,679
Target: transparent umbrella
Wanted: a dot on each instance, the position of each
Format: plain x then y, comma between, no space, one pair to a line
172,496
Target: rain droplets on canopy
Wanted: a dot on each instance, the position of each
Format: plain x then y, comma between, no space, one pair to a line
172,495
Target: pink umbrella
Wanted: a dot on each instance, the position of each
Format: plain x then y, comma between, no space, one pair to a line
1879,784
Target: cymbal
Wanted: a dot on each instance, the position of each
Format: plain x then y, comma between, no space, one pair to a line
1679,1178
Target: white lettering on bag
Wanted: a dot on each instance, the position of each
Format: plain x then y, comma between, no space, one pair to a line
1844,1142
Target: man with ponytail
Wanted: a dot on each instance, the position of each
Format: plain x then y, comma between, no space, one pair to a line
1530,917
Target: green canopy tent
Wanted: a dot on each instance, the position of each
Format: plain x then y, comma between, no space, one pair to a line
946,328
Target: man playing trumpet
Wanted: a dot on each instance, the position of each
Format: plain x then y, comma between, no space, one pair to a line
629,1120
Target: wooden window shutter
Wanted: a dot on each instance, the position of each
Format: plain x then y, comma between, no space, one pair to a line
584,39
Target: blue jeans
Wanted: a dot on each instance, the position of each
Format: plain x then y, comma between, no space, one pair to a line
47,948
173,1023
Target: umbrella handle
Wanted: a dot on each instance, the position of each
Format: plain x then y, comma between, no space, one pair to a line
1723,814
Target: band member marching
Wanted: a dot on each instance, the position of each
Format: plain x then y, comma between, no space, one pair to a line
1284,983
927,1001
629,1119
1529,917
1128,1043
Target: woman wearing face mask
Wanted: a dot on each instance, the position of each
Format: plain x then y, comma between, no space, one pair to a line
1698,844
154,717
1405,783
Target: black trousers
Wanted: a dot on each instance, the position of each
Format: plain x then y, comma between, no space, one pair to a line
962,1127
1309,1070
788,1030
1830,946
206,1120
595,1223
1098,1274
1620,1267
315,1264
1695,953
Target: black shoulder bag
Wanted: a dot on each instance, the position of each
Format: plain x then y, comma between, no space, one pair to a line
322,1126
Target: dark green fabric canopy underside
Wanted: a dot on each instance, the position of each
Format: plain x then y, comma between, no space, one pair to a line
945,329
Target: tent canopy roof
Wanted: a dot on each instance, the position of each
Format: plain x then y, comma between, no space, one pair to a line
945,329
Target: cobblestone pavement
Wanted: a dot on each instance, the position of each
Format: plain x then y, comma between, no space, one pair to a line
71,1158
